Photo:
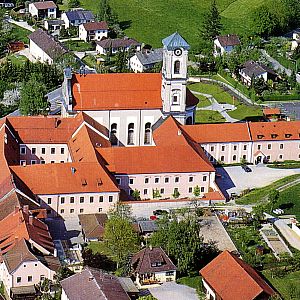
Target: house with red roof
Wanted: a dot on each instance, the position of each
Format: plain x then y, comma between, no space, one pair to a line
225,44
93,31
43,9
228,277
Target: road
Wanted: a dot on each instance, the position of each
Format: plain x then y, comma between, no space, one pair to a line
20,24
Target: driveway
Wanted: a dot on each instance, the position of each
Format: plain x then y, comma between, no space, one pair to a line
173,291
235,179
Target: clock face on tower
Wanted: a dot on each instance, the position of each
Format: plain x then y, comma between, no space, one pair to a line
178,52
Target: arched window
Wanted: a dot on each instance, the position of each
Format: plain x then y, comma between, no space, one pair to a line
147,139
130,139
177,67
113,134
189,121
234,157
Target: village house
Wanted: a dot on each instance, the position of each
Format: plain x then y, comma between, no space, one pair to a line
151,265
77,17
53,25
93,31
44,47
241,280
43,9
252,70
112,46
93,284
145,60
225,44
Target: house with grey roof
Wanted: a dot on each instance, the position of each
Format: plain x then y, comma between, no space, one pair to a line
145,60
113,46
93,284
77,17
225,44
252,70
44,47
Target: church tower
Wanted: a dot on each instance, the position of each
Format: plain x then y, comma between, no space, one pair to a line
174,76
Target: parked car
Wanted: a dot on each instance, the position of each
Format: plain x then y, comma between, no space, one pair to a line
246,168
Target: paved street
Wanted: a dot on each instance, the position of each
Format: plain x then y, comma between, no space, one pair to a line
173,291
21,24
235,179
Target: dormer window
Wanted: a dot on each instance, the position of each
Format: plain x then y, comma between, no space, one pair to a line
274,135
260,136
288,135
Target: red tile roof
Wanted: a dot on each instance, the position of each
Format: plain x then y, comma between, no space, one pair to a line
45,5
95,26
231,278
66,178
228,40
271,111
116,91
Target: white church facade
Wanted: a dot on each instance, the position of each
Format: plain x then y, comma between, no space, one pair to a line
131,105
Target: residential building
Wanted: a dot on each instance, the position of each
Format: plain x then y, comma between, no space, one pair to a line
228,277
92,284
112,46
145,60
273,114
225,44
93,31
92,226
77,17
44,47
43,9
53,25
252,70
152,266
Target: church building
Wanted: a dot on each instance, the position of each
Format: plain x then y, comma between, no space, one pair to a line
131,105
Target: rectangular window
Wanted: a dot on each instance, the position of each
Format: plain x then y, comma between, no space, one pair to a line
52,150
190,189
145,191
281,146
202,189
33,162
162,190
52,161
167,179
49,201
258,147
110,199
18,279
176,179
268,157
280,156
43,150
62,200
245,147
62,211
118,180
234,147
22,162
42,277
130,180
81,199
100,209
91,199
72,210
42,162
191,179
23,150
72,200
62,150
146,180
62,161
269,146
156,180
212,148
100,198
81,210
204,178
223,148
33,150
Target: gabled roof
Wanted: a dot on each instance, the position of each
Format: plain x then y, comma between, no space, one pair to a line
174,41
44,5
145,260
95,26
151,57
93,284
228,40
47,43
116,91
118,43
271,111
93,225
81,15
231,278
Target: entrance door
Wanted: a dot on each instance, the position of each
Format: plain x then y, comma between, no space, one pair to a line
258,159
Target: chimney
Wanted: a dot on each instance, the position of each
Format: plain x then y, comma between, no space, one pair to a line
30,220
26,209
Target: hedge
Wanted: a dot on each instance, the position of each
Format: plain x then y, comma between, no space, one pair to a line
281,97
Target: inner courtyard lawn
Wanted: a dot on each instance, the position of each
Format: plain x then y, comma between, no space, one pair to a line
209,116
203,101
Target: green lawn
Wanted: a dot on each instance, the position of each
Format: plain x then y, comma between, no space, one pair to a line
17,59
212,89
245,112
97,247
150,21
80,46
203,101
193,282
209,116
257,195
283,285
20,34
90,61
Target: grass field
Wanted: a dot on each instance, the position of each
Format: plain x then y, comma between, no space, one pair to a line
209,116
243,112
20,34
80,46
203,101
149,21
